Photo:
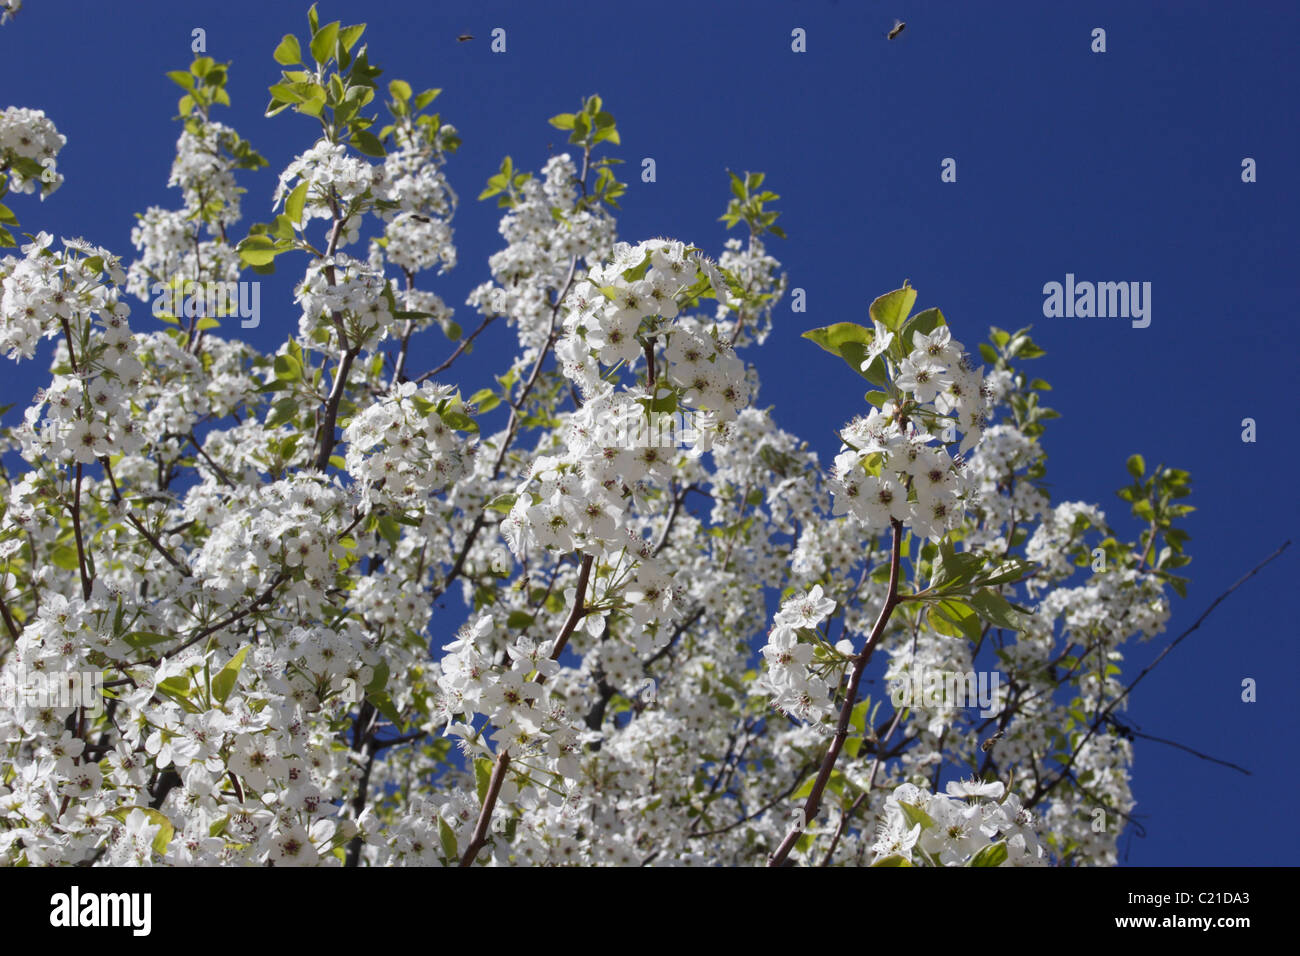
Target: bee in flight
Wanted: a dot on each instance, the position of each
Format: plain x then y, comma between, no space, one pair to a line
988,744
899,27
465,36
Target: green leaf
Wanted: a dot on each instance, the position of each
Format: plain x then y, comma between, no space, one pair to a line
892,309
459,421
379,680
992,855
894,860
287,368
368,143
1007,572
503,503
293,206
139,639
482,777
287,93
348,36
518,620
1137,466
64,556
805,789
960,615
322,43
849,341
952,568
224,682
258,250
994,608
485,400
425,98
915,815
447,837
924,323
384,704
562,121
182,78
289,52
399,90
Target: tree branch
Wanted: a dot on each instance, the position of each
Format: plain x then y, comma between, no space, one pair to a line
503,758
813,804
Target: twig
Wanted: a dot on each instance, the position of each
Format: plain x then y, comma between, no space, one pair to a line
813,804
503,758
1046,786
464,343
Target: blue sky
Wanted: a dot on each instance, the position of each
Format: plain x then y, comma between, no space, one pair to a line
1122,166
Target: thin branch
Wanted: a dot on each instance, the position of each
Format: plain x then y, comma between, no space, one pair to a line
871,782
76,528
1133,732
158,545
464,344
1045,787
237,616
503,758
760,811
813,804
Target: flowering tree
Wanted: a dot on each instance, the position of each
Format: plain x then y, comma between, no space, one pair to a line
335,609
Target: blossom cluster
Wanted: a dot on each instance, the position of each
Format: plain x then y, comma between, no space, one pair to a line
888,469
338,185
540,251
417,234
958,828
351,288
795,683
84,414
27,134
401,449
203,173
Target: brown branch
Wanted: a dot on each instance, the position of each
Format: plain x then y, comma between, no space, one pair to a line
332,407
217,469
363,739
813,803
678,631
503,758
871,782
10,625
76,528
